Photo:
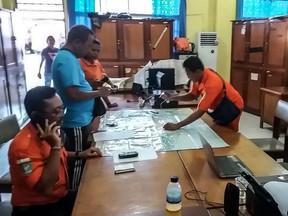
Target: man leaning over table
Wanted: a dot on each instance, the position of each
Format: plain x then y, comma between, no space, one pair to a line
218,97
38,159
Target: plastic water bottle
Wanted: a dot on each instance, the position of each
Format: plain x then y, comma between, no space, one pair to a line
173,197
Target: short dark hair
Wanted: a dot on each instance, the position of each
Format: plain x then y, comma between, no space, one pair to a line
96,41
193,64
50,37
79,32
34,99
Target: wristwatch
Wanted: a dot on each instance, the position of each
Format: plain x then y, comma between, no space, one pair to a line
77,155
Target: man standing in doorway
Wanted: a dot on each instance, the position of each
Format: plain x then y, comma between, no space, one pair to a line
76,93
48,54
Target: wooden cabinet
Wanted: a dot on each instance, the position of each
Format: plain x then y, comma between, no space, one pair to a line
132,40
254,84
107,34
256,42
276,43
239,80
259,58
239,41
274,78
162,50
128,44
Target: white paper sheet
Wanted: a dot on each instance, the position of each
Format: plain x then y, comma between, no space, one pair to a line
254,76
141,75
143,154
113,135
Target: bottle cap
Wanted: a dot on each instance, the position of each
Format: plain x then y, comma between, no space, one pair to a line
174,179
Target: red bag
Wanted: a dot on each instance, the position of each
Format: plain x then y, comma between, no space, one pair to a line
182,44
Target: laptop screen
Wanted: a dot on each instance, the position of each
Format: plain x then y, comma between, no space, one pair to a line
210,156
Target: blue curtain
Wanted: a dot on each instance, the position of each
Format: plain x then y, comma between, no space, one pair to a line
78,10
172,9
261,8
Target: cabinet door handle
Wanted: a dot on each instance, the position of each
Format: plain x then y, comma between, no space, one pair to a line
268,72
115,66
269,75
149,43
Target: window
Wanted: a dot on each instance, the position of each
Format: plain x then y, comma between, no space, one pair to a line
261,8
126,6
41,9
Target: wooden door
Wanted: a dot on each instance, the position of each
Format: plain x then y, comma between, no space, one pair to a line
132,40
160,40
274,78
276,43
256,42
4,100
254,84
239,41
110,44
239,80
15,80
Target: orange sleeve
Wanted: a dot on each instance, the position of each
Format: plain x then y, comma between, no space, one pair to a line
194,89
99,71
209,95
31,170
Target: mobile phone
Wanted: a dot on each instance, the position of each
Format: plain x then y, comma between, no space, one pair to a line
129,154
105,79
111,124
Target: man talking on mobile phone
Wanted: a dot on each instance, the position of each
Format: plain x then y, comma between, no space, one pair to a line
38,159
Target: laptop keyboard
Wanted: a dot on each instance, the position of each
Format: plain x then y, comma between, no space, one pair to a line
226,166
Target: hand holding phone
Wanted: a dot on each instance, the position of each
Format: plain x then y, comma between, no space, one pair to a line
104,91
50,133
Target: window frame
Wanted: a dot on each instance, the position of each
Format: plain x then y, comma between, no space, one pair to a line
98,3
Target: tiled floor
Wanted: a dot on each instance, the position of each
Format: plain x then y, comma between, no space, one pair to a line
32,63
249,127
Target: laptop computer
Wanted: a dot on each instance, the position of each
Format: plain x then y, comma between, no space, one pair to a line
228,166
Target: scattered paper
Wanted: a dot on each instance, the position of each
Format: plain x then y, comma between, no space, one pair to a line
113,135
143,154
243,30
141,76
254,76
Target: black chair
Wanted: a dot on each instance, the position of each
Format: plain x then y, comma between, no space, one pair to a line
272,146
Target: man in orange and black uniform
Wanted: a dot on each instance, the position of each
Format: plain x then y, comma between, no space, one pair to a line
212,88
94,72
38,160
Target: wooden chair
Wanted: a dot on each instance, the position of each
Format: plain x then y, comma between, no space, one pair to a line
9,128
272,146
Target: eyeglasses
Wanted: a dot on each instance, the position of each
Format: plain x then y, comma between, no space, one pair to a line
59,111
